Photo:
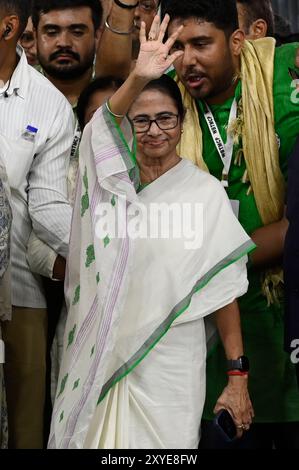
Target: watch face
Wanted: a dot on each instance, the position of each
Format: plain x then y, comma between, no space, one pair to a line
245,363
242,364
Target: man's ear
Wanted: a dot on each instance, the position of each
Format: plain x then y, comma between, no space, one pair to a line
258,29
11,26
236,42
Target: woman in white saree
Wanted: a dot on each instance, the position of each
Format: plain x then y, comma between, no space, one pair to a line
153,251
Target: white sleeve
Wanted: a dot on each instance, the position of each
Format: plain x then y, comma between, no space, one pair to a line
40,257
49,207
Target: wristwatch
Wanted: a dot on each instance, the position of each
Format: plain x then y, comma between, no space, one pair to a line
242,364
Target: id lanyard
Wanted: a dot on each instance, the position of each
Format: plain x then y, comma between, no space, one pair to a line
225,150
76,141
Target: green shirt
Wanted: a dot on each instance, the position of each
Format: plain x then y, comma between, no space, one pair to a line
272,382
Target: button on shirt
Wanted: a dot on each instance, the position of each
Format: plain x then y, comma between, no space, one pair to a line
36,170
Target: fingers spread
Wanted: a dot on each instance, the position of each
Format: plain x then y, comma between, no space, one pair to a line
163,27
174,56
142,35
152,35
171,40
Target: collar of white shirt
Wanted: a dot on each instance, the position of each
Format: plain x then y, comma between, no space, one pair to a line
20,78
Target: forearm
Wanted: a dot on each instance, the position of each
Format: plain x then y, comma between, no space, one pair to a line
49,208
52,222
235,397
270,243
121,101
229,328
114,53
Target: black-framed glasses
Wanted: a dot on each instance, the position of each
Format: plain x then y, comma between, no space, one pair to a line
165,122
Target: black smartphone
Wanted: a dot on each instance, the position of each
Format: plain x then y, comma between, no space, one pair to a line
225,425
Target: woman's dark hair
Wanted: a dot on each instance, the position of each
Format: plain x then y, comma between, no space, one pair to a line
101,83
168,86
40,7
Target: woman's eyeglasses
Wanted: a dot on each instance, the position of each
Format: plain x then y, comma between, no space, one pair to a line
165,122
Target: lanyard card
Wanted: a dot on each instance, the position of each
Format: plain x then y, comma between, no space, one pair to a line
225,151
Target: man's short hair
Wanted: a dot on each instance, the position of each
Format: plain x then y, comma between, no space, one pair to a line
21,8
222,13
258,9
45,6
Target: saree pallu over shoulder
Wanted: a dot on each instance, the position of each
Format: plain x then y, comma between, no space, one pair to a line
125,291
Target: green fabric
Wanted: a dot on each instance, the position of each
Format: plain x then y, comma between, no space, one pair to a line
142,186
272,382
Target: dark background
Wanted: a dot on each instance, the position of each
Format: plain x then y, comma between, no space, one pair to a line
290,10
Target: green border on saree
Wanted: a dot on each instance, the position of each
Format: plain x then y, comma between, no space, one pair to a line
119,138
110,119
178,310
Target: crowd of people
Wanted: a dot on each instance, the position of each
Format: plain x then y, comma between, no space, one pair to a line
116,335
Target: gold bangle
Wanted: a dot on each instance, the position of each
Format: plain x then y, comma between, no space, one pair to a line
116,31
111,112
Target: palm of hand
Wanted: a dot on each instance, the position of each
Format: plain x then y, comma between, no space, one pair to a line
154,56
152,59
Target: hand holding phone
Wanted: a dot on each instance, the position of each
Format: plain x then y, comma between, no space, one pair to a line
225,425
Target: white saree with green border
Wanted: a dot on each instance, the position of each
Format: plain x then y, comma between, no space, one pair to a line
133,368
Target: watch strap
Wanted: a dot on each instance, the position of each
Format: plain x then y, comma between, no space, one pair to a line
242,364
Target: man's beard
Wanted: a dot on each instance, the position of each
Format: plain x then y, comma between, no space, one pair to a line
67,71
217,87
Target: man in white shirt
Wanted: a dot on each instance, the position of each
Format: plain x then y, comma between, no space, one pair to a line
67,34
36,122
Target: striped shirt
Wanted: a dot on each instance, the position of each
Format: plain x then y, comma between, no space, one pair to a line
36,170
